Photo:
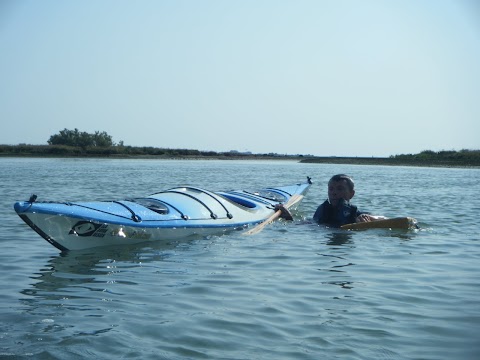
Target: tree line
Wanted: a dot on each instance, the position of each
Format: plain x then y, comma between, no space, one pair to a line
69,143
444,157
81,139
80,143
425,158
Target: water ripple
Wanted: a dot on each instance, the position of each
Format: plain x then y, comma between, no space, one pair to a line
295,291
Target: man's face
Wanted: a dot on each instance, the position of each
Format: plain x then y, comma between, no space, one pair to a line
339,190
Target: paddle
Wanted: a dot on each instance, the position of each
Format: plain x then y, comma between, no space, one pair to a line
292,201
394,223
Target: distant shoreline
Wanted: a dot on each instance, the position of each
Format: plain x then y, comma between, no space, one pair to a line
428,158
157,157
313,160
388,162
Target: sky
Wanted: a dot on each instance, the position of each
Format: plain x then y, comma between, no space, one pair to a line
324,78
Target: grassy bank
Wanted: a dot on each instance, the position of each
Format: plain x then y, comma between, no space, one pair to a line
463,158
128,152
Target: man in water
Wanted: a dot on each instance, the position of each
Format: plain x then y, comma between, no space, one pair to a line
337,209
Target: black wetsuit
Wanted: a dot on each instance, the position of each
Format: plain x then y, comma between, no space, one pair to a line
344,213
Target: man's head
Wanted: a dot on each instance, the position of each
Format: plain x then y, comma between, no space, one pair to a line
340,186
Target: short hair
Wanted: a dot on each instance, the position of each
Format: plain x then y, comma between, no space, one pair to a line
341,177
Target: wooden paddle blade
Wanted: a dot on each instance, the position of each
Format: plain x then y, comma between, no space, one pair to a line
394,223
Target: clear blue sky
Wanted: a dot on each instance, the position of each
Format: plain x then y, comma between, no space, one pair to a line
328,78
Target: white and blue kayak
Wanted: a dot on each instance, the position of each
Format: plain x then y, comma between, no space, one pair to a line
170,215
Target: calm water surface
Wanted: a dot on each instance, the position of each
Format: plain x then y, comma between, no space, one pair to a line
293,291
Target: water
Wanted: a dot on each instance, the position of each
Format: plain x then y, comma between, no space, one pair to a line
293,291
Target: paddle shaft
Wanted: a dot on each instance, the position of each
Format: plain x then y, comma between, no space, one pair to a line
293,200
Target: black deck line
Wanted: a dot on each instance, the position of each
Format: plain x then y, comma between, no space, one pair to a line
213,197
253,197
212,214
279,191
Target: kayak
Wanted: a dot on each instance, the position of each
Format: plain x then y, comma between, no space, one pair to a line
169,215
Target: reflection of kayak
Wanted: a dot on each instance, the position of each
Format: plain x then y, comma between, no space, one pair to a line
394,223
168,215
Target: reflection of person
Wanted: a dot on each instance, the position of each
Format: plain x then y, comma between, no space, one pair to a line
337,210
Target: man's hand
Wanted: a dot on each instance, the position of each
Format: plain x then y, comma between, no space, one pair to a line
368,218
285,214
